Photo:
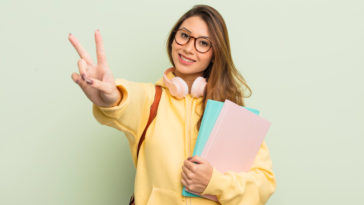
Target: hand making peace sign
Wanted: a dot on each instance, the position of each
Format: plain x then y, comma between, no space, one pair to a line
96,80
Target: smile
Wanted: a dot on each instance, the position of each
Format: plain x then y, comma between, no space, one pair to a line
185,60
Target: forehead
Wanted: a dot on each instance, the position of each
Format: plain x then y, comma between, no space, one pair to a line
196,25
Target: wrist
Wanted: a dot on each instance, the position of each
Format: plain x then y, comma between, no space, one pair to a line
120,97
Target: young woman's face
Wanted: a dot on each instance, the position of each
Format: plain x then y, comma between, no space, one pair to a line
187,60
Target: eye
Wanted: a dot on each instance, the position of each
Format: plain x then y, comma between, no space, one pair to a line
184,35
204,43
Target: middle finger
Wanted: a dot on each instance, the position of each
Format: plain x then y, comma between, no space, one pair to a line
185,175
100,51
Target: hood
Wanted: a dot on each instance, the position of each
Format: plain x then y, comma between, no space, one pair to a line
160,82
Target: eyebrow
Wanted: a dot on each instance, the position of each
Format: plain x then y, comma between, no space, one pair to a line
191,32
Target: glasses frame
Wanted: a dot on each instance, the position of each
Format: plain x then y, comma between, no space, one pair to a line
189,38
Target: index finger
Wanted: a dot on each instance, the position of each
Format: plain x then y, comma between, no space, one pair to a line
188,165
80,50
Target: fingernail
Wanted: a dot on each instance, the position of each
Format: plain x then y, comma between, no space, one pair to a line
89,81
77,81
69,34
83,76
189,158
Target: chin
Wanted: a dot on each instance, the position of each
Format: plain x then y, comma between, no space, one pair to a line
188,70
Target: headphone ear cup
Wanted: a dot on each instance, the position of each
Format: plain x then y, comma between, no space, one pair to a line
198,87
181,87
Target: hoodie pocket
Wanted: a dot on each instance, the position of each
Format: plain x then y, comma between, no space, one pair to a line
164,196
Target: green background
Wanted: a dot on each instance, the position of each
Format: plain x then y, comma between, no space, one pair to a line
303,59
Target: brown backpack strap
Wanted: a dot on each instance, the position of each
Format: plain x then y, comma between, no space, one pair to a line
153,113
132,200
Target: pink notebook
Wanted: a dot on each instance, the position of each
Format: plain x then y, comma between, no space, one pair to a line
235,139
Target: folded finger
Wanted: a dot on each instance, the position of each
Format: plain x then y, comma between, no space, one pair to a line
189,165
80,50
95,83
76,78
185,171
82,67
183,181
185,175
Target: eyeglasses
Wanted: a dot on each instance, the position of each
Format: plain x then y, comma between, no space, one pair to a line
202,44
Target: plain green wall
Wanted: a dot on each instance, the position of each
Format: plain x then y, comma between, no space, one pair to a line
303,59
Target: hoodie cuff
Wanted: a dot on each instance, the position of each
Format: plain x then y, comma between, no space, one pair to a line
214,186
113,111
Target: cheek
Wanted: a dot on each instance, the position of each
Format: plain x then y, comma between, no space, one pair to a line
174,53
175,46
174,50
205,59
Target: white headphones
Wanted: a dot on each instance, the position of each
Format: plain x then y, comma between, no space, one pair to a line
179,88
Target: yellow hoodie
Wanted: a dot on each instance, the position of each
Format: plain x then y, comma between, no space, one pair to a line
169,141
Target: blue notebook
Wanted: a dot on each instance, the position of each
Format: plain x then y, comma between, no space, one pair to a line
211,113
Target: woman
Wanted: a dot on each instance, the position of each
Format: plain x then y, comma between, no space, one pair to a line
198,48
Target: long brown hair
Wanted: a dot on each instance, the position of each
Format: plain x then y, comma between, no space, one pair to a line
223,79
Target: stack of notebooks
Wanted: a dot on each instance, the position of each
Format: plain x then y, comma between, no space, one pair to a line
229,138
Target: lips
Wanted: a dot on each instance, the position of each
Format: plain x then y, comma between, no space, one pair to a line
187,58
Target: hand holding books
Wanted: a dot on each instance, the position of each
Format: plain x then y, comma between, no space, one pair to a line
229,138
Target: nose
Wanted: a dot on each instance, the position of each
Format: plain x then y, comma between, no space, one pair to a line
189,47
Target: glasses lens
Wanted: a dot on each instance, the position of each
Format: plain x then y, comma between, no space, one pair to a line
182,37
202,44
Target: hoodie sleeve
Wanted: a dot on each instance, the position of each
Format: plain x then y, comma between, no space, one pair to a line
131,115
253,187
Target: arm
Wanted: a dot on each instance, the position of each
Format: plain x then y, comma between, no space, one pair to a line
253,187
120,104
131,114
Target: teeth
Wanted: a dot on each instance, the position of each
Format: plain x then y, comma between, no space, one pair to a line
186,59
